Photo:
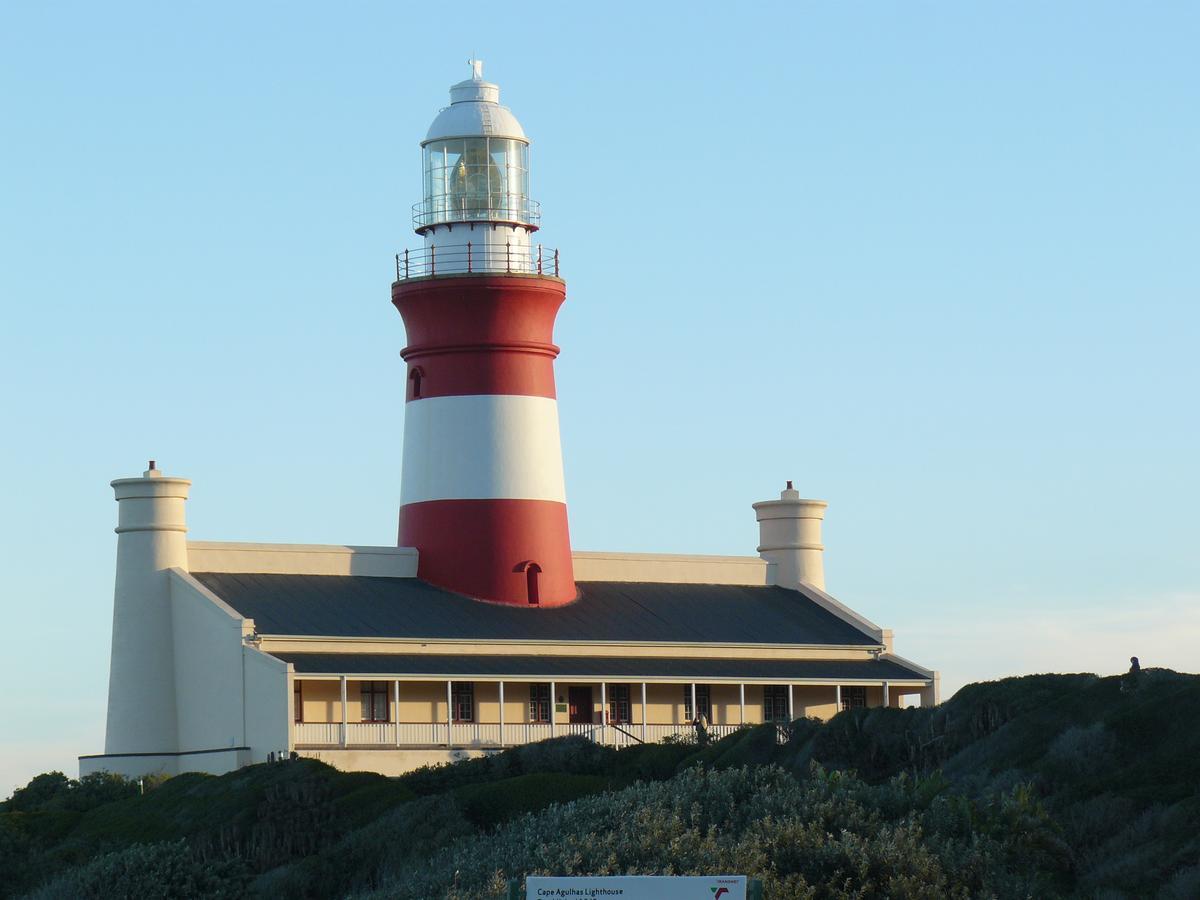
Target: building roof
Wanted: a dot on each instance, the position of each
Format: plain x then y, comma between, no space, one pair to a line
470,666
369,607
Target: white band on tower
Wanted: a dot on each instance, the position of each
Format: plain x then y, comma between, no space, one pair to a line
482,447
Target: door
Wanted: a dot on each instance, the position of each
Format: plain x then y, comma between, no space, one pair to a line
579,706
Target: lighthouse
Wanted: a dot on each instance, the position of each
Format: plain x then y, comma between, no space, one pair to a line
482,495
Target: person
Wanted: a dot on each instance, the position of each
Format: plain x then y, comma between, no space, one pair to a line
1130,681
701,725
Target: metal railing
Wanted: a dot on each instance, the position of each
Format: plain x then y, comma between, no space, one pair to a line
472,259
451,209
490,734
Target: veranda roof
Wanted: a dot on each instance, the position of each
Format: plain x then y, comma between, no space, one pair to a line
468,667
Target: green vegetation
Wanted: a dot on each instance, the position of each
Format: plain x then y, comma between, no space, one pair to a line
1044,786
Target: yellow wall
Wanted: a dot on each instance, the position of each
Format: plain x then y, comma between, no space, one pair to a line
425,701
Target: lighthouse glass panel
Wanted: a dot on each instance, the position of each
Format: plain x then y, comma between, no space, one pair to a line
475,179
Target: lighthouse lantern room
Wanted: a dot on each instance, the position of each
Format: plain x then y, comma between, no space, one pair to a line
476,214
482,497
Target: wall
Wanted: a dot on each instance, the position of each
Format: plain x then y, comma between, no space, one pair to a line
208,667
389,762
425,701
302,559
416,646
671,568
136,765
266,693
401,562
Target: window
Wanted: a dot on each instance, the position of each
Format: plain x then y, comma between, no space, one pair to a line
702,700
462,701
775,703
854,698
539,703
414,379
297,702
476,178
374,701
531,582
618,703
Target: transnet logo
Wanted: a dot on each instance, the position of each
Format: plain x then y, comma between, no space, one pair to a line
717,892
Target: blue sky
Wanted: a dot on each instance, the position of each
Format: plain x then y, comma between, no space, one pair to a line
937,263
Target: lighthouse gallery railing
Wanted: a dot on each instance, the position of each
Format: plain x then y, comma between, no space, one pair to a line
459,259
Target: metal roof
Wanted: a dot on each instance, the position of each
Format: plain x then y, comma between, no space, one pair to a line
469,666
370,607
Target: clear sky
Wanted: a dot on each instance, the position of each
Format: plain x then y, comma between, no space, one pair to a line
936,262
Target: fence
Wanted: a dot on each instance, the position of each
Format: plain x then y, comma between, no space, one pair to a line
491,734
477,259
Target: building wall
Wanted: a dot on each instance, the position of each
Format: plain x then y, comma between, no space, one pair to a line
665,703
390,762
415,647
207,669
266,693
302,559
671,568
135,765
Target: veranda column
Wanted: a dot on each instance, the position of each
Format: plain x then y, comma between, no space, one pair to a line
343,686
603,712
553,707
449,717
837,699
885,695
695,711
742,703
643,712
791,708
396,704
501,713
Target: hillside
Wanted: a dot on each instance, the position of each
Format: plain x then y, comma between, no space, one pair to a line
1051,785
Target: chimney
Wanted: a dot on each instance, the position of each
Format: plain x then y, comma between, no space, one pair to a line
151,538
789,532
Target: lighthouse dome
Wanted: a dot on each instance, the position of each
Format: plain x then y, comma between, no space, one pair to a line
475,110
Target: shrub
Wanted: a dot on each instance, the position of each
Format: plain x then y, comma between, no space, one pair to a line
831,835
490,804
572,755
147,872
398,842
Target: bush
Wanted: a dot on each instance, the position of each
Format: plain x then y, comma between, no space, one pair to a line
831,835
490,804
147,872
54,791
398,842
572,755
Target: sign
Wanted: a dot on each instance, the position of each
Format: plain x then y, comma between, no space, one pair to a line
637,887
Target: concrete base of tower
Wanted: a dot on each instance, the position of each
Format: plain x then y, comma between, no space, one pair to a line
506,551
137,765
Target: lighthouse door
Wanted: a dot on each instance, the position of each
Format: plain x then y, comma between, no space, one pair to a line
580,704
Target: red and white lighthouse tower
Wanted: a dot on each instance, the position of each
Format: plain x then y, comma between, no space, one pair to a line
482,496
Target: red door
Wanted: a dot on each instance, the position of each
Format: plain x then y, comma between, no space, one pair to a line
579,706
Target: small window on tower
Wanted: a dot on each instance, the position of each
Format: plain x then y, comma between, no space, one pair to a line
415,377
532,570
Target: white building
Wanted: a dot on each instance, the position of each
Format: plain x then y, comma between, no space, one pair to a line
484,629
